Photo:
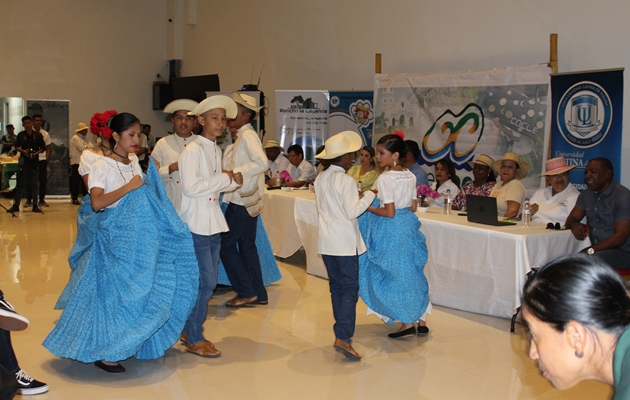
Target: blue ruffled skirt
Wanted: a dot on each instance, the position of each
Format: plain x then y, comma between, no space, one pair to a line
268,263
138,285
391,271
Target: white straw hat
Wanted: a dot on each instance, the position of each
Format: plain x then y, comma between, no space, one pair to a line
180,105
340,144
214,102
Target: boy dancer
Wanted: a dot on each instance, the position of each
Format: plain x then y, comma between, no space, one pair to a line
339,240
202,179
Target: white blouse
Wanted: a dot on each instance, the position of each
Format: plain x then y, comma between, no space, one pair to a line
109,175
398,187
448,185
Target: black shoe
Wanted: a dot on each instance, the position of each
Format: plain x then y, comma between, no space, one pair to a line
423,330
9,319
112,369
76,202
42,203
14,209
37,209
406,332
28,386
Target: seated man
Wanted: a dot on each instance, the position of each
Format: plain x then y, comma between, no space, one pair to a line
411,163
276,160
302,172
606,205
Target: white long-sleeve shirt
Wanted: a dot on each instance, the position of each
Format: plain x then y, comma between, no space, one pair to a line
201,183
338,206
78,143
303,172
166,152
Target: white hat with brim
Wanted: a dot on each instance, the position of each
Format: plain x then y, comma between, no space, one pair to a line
180,105
482,159
340,144
523,167
81,127
557,166
272,143
214,102
246,101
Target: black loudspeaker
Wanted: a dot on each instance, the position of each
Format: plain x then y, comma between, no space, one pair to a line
162,95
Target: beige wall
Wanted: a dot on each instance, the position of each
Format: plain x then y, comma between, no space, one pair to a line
330,44
98,54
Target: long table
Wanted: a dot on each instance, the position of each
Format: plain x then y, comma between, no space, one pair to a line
471,267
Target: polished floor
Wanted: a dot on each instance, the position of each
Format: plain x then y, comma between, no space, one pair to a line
280,351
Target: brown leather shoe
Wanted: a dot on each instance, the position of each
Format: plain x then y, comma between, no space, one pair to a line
241,301
347,350
203,349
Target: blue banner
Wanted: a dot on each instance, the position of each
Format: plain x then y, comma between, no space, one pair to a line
352,111
587,115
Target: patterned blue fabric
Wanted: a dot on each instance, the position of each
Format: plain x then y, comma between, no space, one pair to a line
140,282
391,271
268,263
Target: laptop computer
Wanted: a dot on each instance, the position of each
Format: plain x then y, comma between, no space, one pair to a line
483,210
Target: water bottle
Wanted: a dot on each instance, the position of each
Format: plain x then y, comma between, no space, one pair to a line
360,186
278,184
527,213
447,202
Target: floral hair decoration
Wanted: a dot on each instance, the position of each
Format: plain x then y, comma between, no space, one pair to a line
400,134
99,123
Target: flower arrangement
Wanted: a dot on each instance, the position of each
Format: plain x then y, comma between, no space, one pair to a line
424,191
99,123
285,176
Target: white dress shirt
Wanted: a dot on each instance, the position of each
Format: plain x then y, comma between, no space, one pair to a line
338,206
201,182
167,151
47,142
78,143
303,172
448,185
247,157
554,208
281,163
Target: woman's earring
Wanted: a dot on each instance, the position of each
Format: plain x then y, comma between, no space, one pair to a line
579,355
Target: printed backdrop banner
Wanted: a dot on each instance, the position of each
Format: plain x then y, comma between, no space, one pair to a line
587,119
460,115
302,118
352,111
55,114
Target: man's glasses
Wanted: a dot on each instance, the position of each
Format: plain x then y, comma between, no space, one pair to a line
555,227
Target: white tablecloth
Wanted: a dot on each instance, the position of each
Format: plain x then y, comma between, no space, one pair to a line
471,267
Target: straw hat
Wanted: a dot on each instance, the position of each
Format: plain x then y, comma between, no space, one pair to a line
180,105
482,159
523,166
246,101
214,102
81,126
271,143
340,144
557,166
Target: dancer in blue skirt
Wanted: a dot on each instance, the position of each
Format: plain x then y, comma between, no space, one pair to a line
391,272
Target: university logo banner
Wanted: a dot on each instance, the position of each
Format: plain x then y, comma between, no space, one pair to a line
352,111
587,119
459,115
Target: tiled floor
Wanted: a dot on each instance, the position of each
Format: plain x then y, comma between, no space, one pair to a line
280,351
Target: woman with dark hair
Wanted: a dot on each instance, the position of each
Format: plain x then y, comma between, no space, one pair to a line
577,310
129,299
445,179
391,271
366,171
482,184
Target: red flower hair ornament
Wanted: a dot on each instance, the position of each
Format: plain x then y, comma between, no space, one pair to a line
400,134
99,123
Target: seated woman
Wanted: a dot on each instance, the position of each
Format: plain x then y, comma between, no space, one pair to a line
482,184
555,202
510,192
445,179
576,308
366,172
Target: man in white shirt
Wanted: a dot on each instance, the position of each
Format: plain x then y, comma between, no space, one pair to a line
277,161
44,158
239,253
78,143
302,172
202,180
168,149
339,239
143,148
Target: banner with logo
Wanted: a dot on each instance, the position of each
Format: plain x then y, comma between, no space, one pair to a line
459,115
587,119
302,118
352,111
55,115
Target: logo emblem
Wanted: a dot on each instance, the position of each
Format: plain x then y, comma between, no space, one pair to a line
584,114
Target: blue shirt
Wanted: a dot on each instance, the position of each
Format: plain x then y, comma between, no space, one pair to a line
421,176
603,210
